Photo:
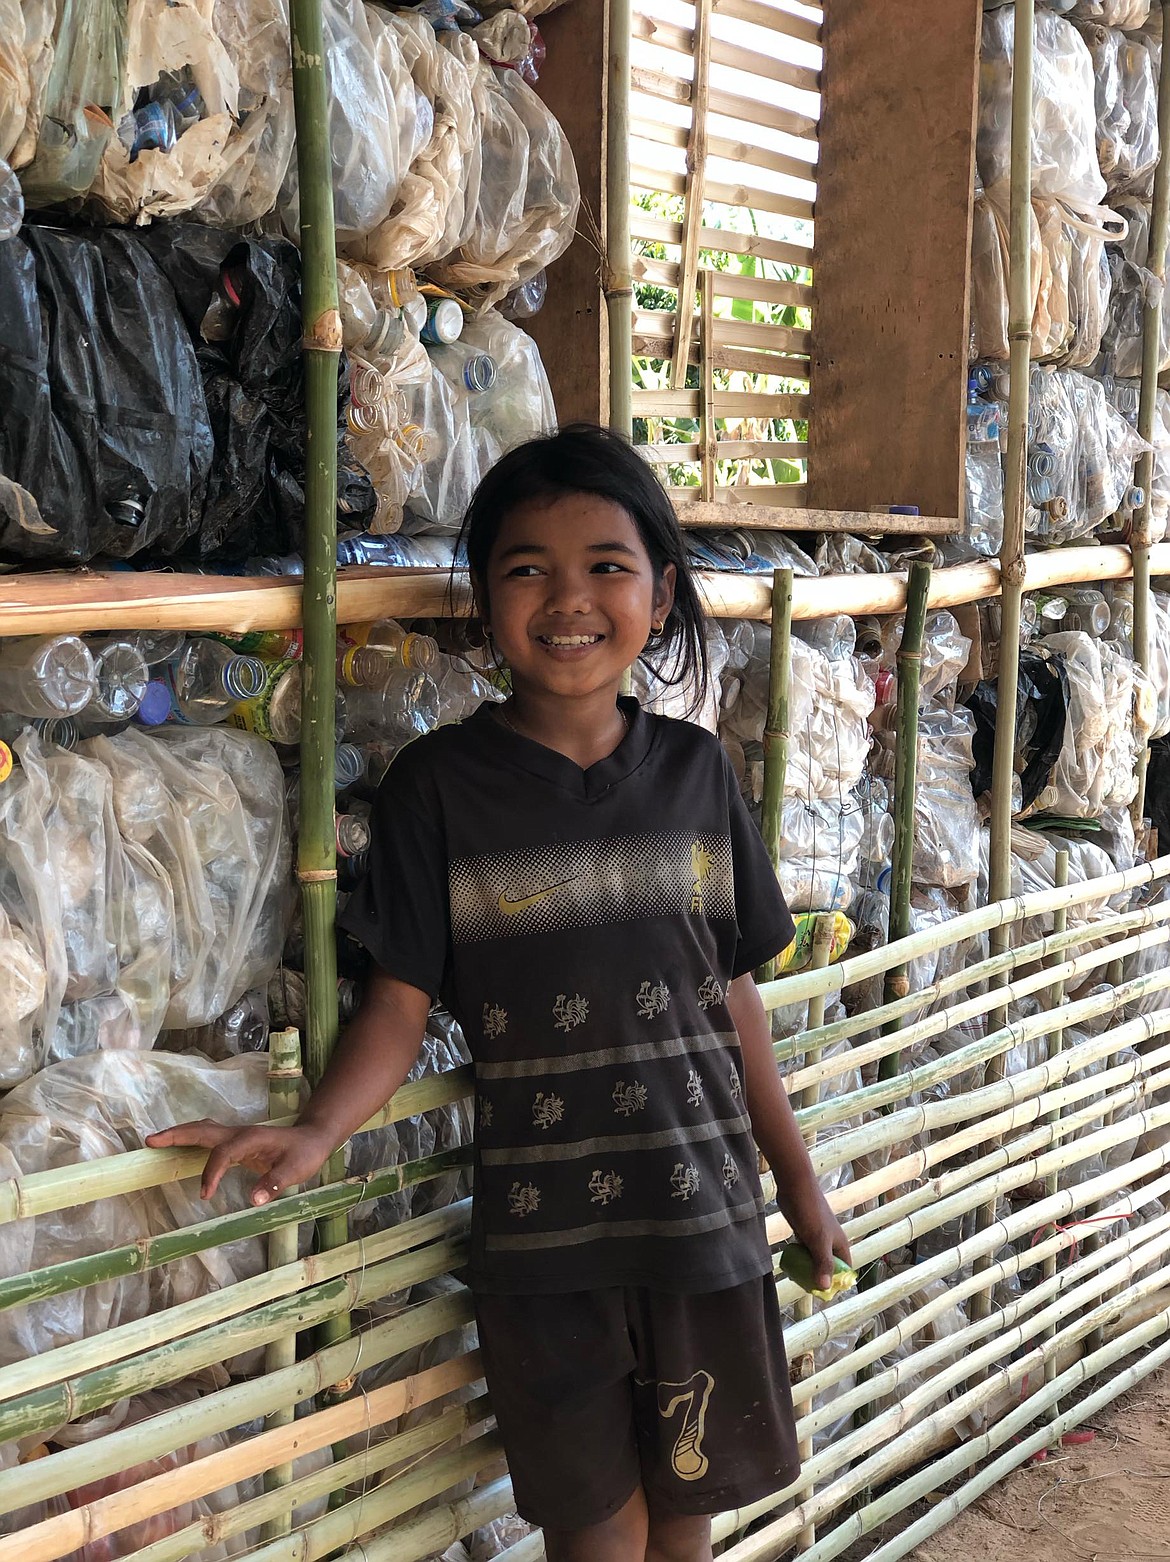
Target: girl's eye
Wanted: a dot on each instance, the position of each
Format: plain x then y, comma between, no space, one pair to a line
606,566
523,572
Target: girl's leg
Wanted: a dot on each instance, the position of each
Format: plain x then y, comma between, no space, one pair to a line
620,1538
678,1537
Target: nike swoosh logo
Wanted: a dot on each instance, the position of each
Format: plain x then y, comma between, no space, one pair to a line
509,907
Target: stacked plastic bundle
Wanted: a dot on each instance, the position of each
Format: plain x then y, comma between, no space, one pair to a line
831,699
946,824
1126,98
1081,456
145,884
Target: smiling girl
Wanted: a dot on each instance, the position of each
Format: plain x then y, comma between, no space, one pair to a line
581,885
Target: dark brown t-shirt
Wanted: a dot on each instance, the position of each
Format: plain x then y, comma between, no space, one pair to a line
583,927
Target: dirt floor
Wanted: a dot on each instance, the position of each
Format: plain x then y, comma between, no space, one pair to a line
1104,1501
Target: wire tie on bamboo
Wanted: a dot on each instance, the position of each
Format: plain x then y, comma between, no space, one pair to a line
316,875
325,334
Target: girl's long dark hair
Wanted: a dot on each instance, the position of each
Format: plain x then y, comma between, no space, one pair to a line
585,459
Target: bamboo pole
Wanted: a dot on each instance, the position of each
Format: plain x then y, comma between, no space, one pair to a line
440,1527
617,277
1055,1002
1152,311
228,1407
284,1091
708,434
905,786
1011,556
776,725
184,1318
317,839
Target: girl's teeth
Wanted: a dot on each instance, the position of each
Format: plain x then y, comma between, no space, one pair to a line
571,640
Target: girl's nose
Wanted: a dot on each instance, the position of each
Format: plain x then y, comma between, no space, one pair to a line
568,592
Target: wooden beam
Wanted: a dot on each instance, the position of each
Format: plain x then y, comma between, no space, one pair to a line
571,330
707,431
745,514
890,338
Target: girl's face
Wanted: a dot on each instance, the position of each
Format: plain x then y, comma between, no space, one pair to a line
571,595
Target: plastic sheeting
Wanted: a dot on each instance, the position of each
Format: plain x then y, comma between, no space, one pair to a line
89,323
1064,124
1126,71
1082,451
100,1105
229,164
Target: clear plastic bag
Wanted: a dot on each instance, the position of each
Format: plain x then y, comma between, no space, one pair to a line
32,912
97,1106
989,272
946,821
519,406
84,86
1064,127
1129,14
373,109
529,195
984,497
1122,341
1127,107
228,148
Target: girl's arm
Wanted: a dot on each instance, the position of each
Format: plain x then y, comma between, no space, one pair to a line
775,1129
372,1058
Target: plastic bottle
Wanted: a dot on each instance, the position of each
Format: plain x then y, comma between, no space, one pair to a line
404,707
158,645
223,312
122,679
242,1028
396,645
402,552
274,710
51,676
207,680
290,565
270,645
526,300
444,322
1087,611
349,766
58,730
353,835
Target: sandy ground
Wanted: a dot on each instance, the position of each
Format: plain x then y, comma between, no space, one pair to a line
1105,1501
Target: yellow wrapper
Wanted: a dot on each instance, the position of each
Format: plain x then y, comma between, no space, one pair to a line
796,1264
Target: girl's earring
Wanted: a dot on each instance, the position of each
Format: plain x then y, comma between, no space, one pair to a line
657,628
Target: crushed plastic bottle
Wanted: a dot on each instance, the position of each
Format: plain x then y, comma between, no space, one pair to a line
207,680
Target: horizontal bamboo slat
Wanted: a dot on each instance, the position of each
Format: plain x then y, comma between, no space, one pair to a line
748,359
728,284
729,332
732,151
722,194
728,404
728,105
751,62
729,450
777,17
662,231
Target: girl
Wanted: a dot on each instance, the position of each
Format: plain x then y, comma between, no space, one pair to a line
582,886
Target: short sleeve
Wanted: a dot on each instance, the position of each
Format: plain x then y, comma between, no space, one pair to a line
764,922
400,911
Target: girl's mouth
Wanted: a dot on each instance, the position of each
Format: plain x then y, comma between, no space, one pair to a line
569,642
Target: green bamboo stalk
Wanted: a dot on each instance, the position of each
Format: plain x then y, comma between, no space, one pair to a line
905,786
1011,556
38,1285
185,1318
39,1412
439,1527
996,914
450,1423
1150,936
1144,922
317,841
284,1092
228,1407
1152,311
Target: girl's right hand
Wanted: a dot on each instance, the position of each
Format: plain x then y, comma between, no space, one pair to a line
282,1157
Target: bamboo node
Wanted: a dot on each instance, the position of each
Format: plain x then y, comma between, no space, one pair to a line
324,335
1013,571
316,875
899,986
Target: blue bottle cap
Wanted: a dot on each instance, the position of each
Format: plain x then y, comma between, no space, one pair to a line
156,704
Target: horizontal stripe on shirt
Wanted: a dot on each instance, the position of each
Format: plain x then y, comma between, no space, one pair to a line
609,1144
528,1241
607,1057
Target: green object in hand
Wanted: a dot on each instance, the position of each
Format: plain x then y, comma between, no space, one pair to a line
796,1263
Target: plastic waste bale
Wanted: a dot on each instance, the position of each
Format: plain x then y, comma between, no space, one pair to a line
70,115
656,692
205,120
253,378
1034,868
102,413
989,271
1129,14
1042,698
1064,125
438,194
1081,457
519,406
529,195
983,496
372,119
116,909
36,970
1096,758
946,821
1126,73
454,457
1121,344
96,1106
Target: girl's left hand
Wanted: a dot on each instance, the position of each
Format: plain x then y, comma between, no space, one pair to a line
825,1240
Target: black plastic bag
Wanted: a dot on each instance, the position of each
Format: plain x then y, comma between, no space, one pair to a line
1041,711
254,384
1158,791
102,413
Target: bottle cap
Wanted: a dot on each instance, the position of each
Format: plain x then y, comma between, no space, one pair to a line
444,323
903,509
156,704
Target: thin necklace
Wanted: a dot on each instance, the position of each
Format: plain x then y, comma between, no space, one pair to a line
508,722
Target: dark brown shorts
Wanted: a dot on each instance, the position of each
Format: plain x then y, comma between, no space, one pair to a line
598,1392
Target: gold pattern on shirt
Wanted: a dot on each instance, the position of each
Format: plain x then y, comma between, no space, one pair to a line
570,1012
701,860
605,1187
